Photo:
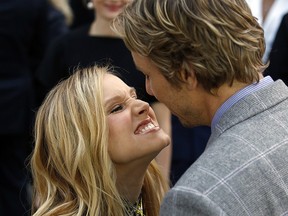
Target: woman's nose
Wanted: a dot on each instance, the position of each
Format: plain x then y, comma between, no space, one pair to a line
140,107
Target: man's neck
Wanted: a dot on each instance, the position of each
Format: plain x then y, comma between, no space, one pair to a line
220,95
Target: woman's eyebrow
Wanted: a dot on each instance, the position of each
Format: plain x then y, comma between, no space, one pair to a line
133,90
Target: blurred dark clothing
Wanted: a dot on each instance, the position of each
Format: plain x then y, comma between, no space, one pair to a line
78,49
188,145
278,68
14,189
26,27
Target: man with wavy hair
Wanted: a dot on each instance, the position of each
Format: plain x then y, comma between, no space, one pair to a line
203,59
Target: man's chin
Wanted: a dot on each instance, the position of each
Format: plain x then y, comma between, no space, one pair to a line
184,122
187,124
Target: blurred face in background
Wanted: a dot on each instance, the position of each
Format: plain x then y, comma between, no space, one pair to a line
109,9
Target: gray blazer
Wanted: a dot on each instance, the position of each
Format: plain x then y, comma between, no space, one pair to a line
244,168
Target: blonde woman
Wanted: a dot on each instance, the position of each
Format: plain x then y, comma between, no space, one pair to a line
96,42
95,145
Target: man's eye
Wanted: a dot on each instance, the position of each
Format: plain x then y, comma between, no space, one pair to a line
117,109
147,77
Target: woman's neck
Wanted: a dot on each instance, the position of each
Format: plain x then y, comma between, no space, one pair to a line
101,28
130,182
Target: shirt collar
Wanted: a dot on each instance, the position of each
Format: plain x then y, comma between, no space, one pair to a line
238,96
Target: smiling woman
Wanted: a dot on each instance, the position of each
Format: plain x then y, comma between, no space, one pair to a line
85,162
96,42
141,139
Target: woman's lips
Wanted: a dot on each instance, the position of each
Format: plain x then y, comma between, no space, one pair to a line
114,8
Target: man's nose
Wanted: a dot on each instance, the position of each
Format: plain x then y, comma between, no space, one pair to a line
148,88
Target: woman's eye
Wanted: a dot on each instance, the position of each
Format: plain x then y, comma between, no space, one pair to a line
117,109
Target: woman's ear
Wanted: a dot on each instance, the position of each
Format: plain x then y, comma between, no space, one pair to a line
189,79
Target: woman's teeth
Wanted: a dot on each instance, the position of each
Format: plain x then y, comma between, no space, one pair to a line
147,128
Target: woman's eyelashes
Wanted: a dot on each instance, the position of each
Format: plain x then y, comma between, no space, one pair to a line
117,108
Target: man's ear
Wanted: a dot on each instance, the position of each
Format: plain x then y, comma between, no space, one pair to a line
189,79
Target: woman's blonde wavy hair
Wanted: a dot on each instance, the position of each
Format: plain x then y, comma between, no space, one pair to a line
72,171
219,39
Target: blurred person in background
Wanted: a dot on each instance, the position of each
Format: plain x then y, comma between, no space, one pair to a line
278,65
271,16
26,28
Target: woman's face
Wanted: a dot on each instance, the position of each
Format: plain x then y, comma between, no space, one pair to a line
109,9
134,133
